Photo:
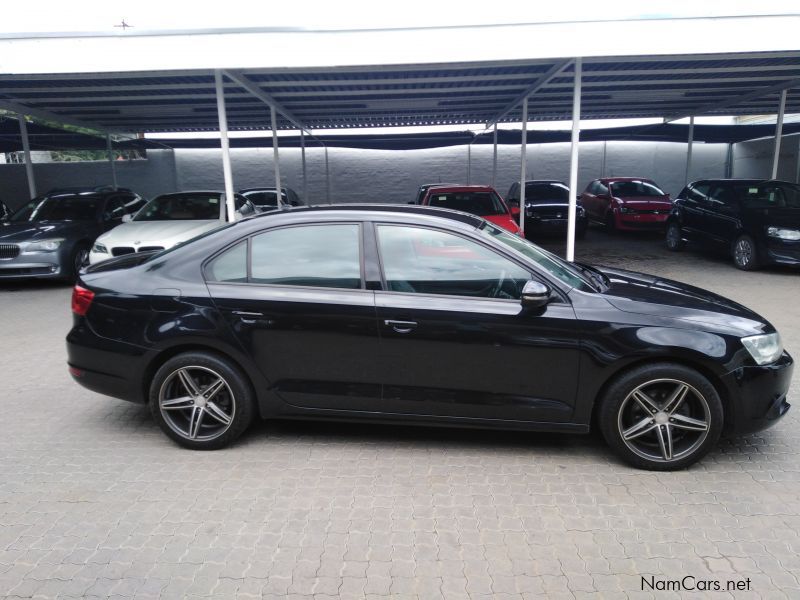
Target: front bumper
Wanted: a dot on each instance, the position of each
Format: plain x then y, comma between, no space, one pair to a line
641,221
757,395
782,252
41,265
551,224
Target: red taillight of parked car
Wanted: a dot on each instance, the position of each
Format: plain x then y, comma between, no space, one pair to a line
81,300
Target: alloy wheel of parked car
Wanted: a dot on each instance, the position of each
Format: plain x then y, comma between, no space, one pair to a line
745,255
674,237
201,401
664,417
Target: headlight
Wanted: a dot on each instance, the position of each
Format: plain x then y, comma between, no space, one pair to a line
625,210
99,248
791,235
765,348
580,211
43,246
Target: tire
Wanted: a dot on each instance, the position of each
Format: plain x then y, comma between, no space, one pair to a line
192,420
611,223
674,237
78,258
668,439
745,253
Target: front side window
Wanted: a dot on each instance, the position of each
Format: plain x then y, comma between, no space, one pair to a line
482,204
426,261
635,189
308,255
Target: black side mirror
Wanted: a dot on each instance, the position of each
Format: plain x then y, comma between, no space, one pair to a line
534,294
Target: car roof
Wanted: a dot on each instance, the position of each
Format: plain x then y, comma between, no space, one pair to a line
613,179
740,180
462,188
262,189
529,181
192,193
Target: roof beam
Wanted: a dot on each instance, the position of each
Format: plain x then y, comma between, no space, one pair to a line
706,108
539,83
242,81
48,116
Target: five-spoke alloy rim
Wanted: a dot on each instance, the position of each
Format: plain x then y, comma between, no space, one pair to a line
197,403
664,420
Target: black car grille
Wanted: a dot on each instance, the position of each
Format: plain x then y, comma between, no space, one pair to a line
121,250
632,211
9,251
150,248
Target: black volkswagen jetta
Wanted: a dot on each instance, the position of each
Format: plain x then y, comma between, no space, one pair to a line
420,315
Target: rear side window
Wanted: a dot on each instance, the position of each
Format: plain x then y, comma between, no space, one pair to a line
230,266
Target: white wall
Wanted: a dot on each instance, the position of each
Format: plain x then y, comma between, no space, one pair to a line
754,159
373,175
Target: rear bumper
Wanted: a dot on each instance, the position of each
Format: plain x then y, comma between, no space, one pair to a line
758,395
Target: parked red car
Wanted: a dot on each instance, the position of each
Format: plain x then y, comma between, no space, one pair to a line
626,203
480,200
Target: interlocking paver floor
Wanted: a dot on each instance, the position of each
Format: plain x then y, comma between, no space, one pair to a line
96,502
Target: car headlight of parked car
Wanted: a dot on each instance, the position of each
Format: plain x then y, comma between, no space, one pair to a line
765,348
99,248
625,210
43,246
782,233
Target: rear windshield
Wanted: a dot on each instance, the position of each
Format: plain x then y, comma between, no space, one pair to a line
546,191
181,207
67,207
265,198
630,189
769,195
482,204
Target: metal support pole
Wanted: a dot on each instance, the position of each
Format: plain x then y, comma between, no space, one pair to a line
494,157
327,177
276,157
690,143
226,151
573,160
523,164
303,160
605,154
111,161
26,148
469,162
729,162
778,132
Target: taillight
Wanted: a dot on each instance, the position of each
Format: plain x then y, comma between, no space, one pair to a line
81,300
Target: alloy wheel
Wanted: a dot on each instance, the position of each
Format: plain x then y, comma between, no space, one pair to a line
664,420
197,403
673,237
743,252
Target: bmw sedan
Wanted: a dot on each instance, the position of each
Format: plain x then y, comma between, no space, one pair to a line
420,315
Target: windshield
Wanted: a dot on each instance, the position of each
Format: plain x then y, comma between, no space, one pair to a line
72,207
265,198
536,192
631,189
769,195
557,267
181,207
482,204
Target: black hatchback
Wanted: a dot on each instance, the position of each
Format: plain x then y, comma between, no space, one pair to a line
420,315
755,221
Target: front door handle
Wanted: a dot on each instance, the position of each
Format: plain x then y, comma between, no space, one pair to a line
401,326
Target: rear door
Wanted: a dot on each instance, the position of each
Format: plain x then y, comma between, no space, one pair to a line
722,223
295,298
695,206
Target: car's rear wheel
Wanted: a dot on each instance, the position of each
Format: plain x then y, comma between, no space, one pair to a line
201,400
661,417
675,241
745,253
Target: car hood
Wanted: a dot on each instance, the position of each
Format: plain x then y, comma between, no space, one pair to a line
156,233
30,231
645,202
504,221
695,307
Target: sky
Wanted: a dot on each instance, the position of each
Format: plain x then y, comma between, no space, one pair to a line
145,15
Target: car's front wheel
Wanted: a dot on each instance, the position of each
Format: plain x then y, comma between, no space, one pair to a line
675,241
661,417
745,253
201,400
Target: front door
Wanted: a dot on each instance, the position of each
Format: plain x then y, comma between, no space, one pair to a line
300,308
455,340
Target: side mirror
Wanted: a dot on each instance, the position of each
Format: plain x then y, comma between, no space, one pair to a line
127,218
534,294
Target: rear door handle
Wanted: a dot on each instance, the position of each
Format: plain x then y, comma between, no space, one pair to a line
247,317
401,326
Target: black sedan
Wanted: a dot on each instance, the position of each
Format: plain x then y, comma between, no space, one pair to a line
754,221
547,208
50,236
420,315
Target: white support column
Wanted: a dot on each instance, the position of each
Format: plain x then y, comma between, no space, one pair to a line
469,162
494,157
776,155
605,154
26,149
523,167
276,157
226,151
111,161
303,161
573,160
690,143
327,178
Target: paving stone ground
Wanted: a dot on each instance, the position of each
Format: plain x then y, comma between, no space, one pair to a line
96,503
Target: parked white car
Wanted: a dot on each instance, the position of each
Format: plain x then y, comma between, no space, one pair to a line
166,221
